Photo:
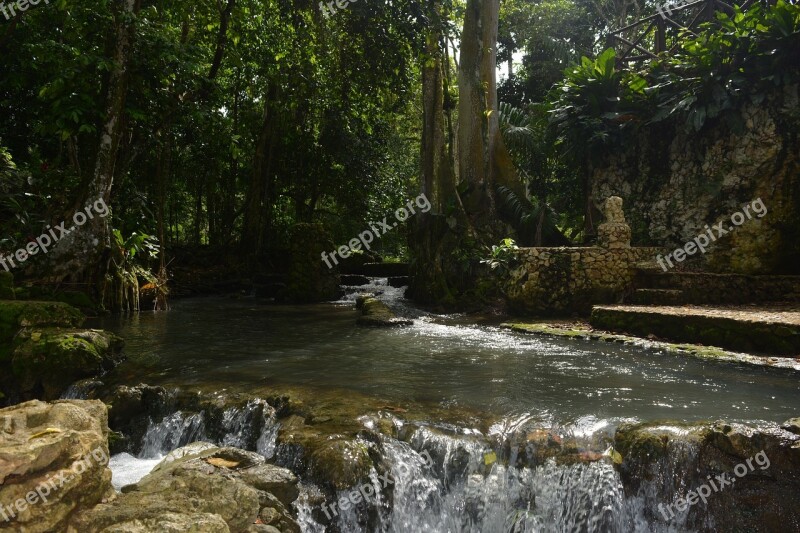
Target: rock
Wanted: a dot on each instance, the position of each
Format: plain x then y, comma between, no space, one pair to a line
46,361
662,460
354,280
219,486
58,448
792,425
342,463
361,298
399,281
270,290
15,315
375,313
280,482
384,270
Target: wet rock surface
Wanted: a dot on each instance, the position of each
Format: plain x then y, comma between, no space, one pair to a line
755,474
224,489
53,461
375,313
47,360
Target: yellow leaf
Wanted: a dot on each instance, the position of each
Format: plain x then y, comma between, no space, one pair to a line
489,458
615,456
47,431
222,463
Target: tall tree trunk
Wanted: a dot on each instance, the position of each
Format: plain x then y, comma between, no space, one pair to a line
258,201
437,172
83,254
484,161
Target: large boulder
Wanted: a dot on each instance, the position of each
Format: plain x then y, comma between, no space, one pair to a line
224,489
15,315
375,313
671,466
53,461
46,361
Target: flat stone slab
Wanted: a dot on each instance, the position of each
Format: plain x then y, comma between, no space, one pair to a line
583,331
770,329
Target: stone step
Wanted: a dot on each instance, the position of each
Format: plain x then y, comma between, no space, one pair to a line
767,329
383,270
657,297
710,288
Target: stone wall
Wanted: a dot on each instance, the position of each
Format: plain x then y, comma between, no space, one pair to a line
676,182
570,279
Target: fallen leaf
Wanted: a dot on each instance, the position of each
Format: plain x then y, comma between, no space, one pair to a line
489,458
222,463
47,431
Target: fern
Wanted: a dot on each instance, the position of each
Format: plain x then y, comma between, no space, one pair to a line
533,223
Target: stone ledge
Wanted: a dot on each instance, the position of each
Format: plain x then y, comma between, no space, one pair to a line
766,330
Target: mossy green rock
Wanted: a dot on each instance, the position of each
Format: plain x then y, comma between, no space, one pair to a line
344,463
15,315
377,314
46,361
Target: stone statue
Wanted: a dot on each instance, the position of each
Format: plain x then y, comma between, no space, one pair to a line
614,232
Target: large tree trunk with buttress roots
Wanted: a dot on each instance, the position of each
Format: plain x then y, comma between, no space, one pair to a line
83,256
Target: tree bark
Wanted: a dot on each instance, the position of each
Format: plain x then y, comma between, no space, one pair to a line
82,255
258,202
484,162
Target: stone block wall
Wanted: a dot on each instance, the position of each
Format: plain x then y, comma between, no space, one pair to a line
675,182
565,280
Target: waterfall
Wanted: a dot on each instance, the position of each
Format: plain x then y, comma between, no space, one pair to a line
252,427
437,479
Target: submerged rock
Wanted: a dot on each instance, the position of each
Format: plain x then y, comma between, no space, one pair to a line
377,314
53,461
201,488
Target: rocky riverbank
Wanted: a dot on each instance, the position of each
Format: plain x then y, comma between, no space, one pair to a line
54,477
339,444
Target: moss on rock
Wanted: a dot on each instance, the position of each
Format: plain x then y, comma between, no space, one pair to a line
46,361
15,315
377,314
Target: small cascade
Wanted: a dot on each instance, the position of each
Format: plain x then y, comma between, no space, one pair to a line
80,390
172,432
439,478
252,427
431,481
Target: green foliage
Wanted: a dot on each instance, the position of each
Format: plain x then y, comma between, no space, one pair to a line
733,60
137,243
503,257
533,222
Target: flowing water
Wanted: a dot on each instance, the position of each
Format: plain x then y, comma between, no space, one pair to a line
584,388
